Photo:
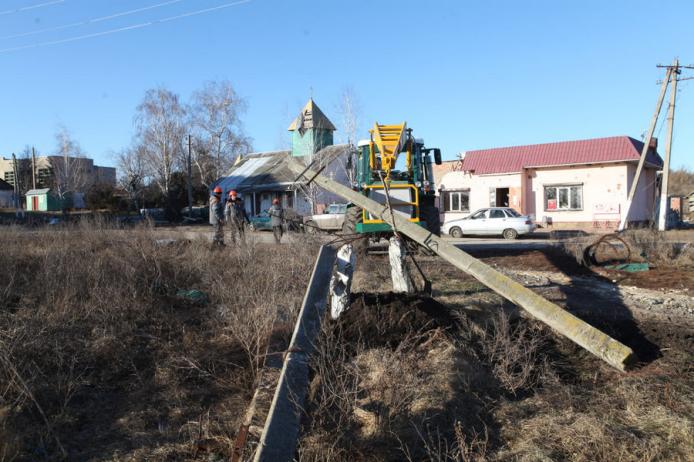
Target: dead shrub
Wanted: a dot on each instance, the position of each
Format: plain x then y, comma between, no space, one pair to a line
112,359
514,351
644,245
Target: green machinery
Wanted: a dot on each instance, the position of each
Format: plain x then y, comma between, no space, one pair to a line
404,183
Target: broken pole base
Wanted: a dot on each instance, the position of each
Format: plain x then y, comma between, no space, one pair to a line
402,282
341,281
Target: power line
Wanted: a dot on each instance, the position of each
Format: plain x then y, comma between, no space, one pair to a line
90,21
31,7
125,28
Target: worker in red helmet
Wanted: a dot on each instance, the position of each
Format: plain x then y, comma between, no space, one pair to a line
236,217
217,217
276,218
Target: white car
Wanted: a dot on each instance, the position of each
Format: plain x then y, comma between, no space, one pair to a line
330,220
494,221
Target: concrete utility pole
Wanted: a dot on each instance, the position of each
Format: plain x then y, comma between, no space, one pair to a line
644,151
33,168
601,345
190,179
672,71
664,205
16,184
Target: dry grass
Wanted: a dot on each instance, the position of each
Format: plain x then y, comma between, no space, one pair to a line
644,245
506,391
101,360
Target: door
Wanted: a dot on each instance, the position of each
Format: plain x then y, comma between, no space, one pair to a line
476,224
498,197
34,203
496,222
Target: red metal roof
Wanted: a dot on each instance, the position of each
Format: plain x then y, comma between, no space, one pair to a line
515,158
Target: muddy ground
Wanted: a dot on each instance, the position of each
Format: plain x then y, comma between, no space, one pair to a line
466,375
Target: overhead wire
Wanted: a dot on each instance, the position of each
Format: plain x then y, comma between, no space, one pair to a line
31,7
125,28
90,21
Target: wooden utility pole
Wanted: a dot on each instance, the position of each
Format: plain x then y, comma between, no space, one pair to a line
664,206
33,168
644,151
190,179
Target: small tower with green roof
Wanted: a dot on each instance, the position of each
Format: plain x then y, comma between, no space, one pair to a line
311,131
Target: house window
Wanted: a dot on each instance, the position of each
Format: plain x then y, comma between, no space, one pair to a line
456,201
563,197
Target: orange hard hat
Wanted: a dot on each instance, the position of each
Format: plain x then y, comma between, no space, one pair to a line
232,193
275,201
217,190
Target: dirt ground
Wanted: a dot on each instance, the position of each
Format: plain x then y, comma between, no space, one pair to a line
475,378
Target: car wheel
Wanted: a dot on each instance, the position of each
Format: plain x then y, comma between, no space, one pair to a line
456,232
510,233
251,226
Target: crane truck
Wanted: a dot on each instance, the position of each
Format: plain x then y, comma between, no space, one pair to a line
395,169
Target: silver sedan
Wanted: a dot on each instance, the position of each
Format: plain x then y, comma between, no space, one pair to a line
494,221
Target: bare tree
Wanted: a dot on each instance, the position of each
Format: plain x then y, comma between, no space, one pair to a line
132,172
161,127
215,116
24,170
350,115
69,176
350,119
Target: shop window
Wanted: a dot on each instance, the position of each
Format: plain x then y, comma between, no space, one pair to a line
563,197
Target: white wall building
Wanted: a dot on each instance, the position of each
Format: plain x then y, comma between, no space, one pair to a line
574,184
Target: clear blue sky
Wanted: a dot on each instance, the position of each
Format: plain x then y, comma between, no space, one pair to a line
464,74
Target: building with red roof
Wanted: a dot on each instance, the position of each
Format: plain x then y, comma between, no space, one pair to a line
568,184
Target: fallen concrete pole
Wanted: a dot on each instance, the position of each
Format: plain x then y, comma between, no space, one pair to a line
601,345
278,440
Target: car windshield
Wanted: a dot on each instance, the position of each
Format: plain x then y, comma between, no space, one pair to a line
512,213
337,208
480,214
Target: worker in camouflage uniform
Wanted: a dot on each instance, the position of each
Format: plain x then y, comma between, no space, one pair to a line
276,218
236,217
217,217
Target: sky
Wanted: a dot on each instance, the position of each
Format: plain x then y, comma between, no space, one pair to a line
464,75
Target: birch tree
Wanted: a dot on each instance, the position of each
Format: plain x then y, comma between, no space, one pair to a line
161,128
69,175
350,119
132,172
215,113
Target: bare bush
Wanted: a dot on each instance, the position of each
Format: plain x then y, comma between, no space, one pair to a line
644,245
514,352
102,356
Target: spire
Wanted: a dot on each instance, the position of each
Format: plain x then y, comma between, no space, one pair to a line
311,117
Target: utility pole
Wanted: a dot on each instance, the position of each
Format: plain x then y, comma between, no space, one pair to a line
190,179
644,151
672,71
33,168
664,205
16,184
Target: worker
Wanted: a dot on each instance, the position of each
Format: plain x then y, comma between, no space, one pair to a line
235,216
276,218
217,217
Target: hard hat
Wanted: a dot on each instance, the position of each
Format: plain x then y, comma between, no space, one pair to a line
232,193
217,190
275,201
